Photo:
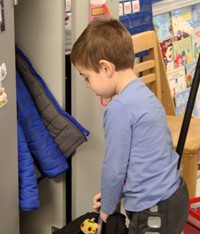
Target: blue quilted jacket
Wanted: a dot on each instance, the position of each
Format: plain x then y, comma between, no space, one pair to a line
34,144
47,135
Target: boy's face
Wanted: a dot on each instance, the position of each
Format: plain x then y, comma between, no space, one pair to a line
100,83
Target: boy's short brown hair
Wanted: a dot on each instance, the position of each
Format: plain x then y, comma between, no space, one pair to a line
104,38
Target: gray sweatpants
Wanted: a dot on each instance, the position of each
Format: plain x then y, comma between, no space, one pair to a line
166,217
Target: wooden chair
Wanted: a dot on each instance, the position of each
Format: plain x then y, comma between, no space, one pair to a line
151,70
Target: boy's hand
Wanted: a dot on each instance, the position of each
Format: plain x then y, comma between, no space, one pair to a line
97,206
97,202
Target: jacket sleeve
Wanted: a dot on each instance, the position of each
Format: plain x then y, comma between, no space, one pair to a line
28,187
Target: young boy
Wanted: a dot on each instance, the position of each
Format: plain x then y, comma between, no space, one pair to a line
140,163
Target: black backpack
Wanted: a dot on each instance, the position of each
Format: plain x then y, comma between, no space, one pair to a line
116,224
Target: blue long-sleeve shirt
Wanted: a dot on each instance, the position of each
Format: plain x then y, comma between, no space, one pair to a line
140,163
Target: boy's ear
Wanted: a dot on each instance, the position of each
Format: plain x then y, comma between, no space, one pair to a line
107,67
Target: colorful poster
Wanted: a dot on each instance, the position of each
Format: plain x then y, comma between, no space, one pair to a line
3,95
166,47
190,70
196,43
182,21
177,80
183,53
196,15
181,100
2,19
163,26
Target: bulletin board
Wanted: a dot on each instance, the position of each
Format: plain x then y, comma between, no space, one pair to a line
136,16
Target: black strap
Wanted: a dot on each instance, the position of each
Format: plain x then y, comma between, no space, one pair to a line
188,112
